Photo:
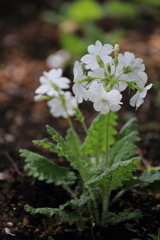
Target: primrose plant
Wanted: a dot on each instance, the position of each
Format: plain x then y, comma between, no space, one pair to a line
103,162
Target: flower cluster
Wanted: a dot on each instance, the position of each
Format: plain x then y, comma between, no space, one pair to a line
105,77
99,78
61,103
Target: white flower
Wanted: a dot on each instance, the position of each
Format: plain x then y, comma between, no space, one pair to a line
120,85
38,98
137,99
57,107
53,77
142,79
104,101
58,59
96,51
79,87
135,64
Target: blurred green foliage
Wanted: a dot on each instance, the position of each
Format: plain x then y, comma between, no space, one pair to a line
84,10
82,22
119,9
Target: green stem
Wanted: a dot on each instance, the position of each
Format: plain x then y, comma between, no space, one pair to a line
87,133
96,212
68,118
119,195
85,128
107,137
105,206
65,186
92,232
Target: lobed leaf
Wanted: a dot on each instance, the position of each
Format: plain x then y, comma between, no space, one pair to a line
77,163
40,167
46,144
73,141
60,213
114,218
150,176
113,177
124,147
95,143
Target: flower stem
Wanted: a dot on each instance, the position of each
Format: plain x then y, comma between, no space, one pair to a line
87,133
96,213
105,206
107,137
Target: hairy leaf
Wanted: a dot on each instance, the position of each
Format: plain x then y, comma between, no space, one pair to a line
73,141
95,143
77,163
60,213
150,176
80,202
113,177
46,144
114,218
130,126
124,147
40,167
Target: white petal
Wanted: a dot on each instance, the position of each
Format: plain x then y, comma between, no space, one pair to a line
55,73
134,99
42,89
97,105
87,58
106,49
43,80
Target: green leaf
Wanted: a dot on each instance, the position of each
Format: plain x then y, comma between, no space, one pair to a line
114,218
73,141
113,177
119,9
130,126
95,143
154,237
82,10
150,176
124,147
72,43
77,163
40,167
60,213
79,203
46,144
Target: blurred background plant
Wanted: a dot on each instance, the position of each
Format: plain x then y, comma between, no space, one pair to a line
82,22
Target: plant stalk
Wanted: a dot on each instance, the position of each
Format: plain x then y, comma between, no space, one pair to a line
107,136
105,206
65,186
96,213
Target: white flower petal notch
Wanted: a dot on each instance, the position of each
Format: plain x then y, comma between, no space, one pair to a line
51,79
79,86
97,51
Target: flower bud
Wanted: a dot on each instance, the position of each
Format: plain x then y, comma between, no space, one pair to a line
109,68
127,69
116,48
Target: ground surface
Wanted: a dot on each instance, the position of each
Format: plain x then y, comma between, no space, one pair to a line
25,43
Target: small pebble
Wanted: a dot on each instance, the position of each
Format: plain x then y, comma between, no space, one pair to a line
9,224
